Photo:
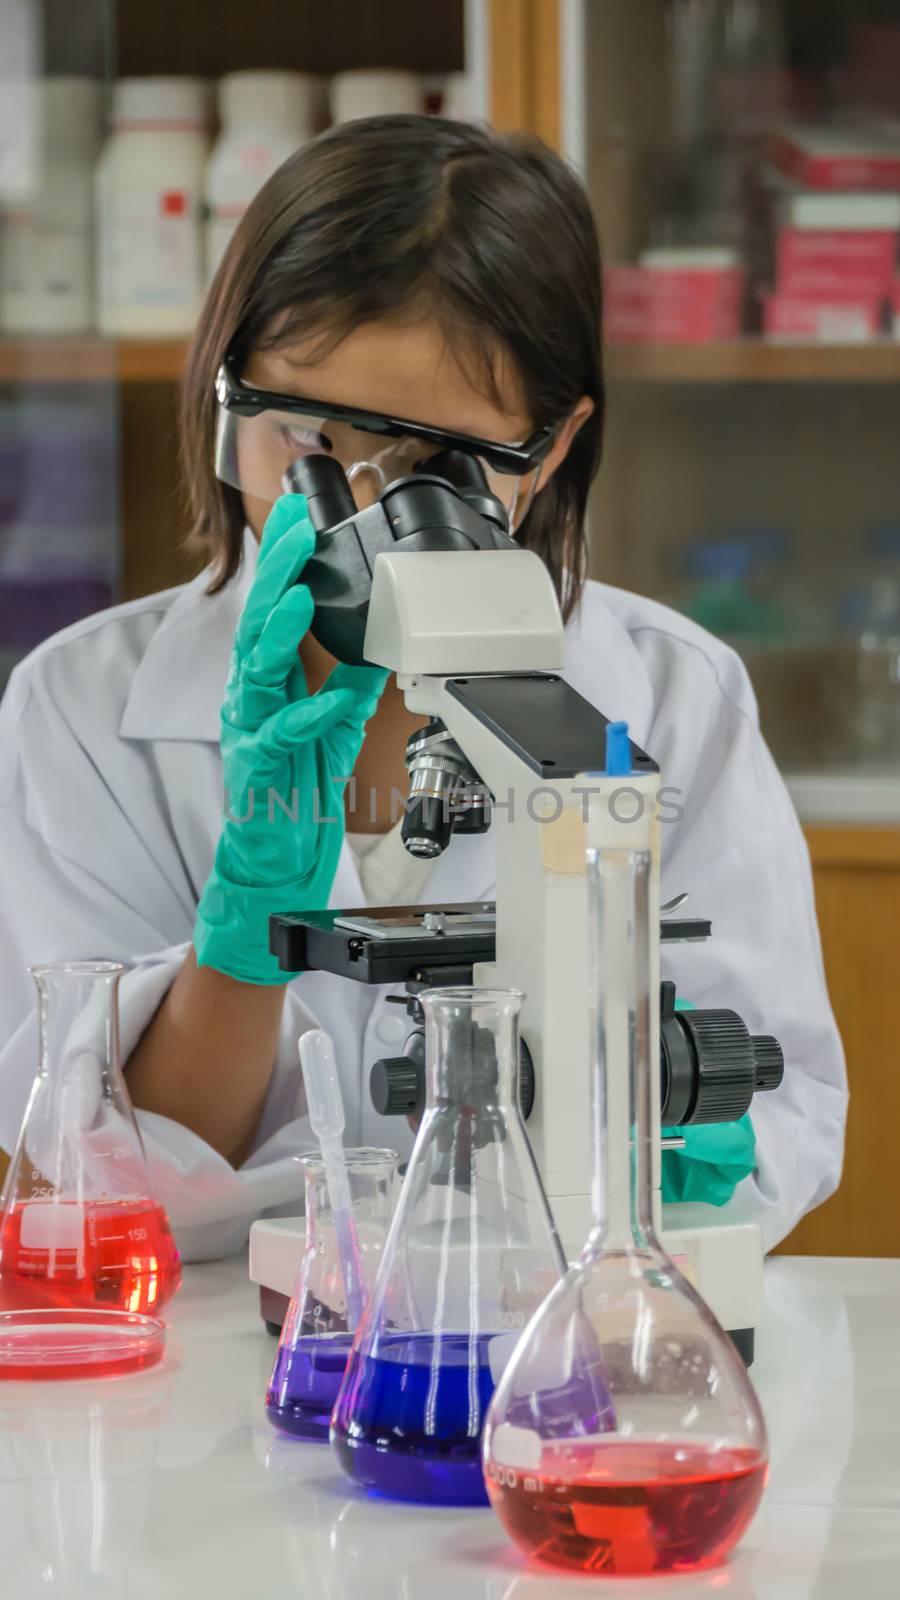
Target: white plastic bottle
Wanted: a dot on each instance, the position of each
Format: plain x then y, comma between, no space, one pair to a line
264,117
46,277
374,92
149,208
459,98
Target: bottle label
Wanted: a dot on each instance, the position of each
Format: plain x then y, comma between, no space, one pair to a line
150,250
46,275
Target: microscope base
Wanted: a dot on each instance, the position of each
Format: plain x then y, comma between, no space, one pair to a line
721,1259
724,1262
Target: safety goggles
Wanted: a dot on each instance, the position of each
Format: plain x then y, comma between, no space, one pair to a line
260,434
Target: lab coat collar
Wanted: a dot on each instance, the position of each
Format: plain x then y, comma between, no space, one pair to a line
177,691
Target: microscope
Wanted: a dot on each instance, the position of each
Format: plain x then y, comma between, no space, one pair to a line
506,743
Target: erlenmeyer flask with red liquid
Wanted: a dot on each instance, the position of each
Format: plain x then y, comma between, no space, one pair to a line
669,1477
79,1224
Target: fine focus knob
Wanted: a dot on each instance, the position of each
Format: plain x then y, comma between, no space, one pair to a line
396,1086
768,1061
724,1065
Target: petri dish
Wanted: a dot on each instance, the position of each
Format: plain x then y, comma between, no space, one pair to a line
72,1342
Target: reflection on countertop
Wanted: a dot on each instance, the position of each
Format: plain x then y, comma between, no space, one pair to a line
172,1482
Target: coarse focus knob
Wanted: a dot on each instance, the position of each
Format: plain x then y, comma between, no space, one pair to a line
724,1064
526,1081
396,1086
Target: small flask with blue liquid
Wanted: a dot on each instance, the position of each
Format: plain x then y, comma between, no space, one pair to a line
318,1329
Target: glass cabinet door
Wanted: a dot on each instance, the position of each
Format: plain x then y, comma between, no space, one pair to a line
128,153
743,158
58,414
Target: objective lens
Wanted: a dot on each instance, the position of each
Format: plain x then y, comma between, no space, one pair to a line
438,774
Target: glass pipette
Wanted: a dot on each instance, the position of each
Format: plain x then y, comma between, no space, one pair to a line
326,1114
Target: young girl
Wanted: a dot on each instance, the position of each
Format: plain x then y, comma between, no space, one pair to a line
431,271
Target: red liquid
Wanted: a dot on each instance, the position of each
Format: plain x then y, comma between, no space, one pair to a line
116,1254
39,1351
630,1507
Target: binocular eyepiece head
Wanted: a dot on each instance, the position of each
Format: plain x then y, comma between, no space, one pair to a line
445,505
330,500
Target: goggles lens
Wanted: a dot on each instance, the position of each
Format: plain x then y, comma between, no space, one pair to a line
254,453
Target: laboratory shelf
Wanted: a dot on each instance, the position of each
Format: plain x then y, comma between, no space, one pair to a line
86,360
755,361
737,362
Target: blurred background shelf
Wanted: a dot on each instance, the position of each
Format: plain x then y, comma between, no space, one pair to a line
755,361
30,360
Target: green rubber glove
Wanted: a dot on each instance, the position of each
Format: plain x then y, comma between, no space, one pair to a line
284,754
716,1156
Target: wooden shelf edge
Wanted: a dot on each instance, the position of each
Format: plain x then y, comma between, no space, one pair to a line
853,845
86,360
755,361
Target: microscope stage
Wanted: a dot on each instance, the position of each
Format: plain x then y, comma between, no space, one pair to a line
420,945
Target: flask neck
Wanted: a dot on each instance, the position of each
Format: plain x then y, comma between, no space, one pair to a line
622,1055
370,1173
78,1015
472,1048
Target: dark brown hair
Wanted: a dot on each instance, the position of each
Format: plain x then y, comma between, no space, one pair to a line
392,216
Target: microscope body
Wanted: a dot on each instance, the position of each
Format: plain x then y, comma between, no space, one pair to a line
483,654
478,650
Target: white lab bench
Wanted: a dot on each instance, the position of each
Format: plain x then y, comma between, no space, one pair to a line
171,1484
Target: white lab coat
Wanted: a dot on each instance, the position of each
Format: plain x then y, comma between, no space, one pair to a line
110,806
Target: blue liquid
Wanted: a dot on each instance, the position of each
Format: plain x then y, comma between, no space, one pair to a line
410,1418
304,1385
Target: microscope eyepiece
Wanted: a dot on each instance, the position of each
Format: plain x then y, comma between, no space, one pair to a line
465,474
322,480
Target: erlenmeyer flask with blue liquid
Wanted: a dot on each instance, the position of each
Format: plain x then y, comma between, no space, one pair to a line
471,1254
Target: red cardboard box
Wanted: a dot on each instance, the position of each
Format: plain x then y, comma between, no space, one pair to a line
839,158
674,297
836,246
693,294
625,304
854,264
